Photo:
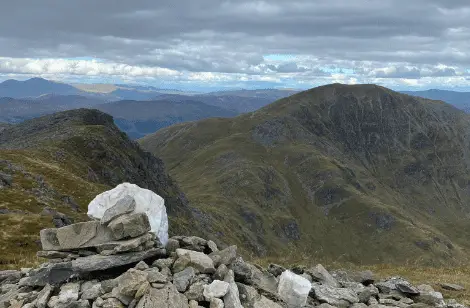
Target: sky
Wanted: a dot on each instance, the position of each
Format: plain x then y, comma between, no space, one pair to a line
212,44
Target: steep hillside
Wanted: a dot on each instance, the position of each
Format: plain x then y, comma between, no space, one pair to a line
344,173
140,118
52,167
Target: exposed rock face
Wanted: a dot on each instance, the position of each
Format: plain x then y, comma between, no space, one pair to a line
146,202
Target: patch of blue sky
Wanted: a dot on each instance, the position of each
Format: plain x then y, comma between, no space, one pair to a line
279,57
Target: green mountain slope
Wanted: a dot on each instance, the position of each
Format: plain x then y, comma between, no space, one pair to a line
59,163
344,173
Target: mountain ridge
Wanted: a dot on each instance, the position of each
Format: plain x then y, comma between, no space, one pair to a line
51,168
355,162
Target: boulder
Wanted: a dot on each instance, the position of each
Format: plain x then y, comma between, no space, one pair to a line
293,289
232,298
396,284
339,297
90,290
196,291
67,297
182,279
198,260
320,274
76,236
242,270
129,226
216,303
216,289
225,256
263,280
129,282
428,296
125,205
264,302
10,276
166,297
275,269
43,297
146,202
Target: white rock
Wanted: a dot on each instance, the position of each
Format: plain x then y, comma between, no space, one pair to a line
216,289
293,289
146,201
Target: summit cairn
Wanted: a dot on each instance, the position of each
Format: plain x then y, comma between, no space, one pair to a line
117,261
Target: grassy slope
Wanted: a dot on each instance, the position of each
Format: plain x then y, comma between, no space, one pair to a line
345,173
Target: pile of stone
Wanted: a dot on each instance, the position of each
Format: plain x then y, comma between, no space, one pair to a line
120,261
191,272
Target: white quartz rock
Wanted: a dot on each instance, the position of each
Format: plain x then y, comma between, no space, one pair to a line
293,289
146,201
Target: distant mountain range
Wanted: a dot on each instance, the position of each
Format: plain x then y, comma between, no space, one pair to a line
138,110
460,100
140,118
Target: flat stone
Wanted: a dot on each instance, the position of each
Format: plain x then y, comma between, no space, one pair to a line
79,235
129,226
98,262
198,260
216,289
124,245
52,254
125,205
59,272
452,287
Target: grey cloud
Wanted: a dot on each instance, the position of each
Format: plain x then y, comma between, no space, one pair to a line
233,36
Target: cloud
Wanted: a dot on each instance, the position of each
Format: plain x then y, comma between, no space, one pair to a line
226,42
